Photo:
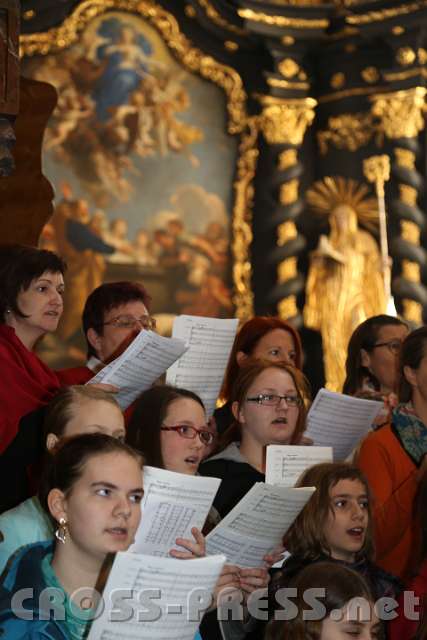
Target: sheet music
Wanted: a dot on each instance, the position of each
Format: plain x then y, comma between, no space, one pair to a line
285,463
257,523
137,614
203,366
340,421
135,370
173,503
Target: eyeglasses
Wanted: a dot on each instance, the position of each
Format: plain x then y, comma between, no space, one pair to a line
130,322
185,431
273,400
392,345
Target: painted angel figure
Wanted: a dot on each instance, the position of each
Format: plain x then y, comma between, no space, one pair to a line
345,284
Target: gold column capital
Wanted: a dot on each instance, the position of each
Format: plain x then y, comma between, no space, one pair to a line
400,112
285,121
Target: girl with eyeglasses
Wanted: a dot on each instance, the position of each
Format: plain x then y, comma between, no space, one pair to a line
394,458
269,407
170,429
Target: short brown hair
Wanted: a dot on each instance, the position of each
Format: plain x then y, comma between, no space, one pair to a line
340,584
305,538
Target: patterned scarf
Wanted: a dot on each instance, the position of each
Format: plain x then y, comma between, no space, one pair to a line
411,432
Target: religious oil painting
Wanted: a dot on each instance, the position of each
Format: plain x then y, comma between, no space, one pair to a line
142,166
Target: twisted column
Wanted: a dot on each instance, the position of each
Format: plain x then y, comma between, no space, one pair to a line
283,124
400,121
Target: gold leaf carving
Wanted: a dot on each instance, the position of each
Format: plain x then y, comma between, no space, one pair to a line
286,231
337,80
412,311
287,307
191,57
287,270
405,158
288,67
285,121
410,231
382,14
242,222
218,19
422,55
405,56
408,194
411,271
283,21
289,192
400,112
287,158
370,75
348,131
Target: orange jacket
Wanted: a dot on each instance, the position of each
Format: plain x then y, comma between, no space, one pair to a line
392,478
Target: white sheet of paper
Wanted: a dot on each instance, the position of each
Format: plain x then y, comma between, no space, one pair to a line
339,421
285,463
257,523
137,614
135,370
202,368
173,503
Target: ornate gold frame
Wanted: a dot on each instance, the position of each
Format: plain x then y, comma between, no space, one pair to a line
196,61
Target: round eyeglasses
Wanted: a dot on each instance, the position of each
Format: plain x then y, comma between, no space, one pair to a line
130,322
273,400
185,431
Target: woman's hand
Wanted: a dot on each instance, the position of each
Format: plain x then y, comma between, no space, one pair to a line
195,549
275,556
253,579
229,579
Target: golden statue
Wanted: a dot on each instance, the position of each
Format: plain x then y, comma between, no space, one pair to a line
345,283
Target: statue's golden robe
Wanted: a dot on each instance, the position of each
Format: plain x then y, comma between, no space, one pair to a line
339,296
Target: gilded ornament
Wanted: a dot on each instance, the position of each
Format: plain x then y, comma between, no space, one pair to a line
218,19
288,41
408,194
302,75
397,31
412,311
283,21
422,55
400,113
411,271
382,14
231,46
242,222
289,192
287,270
286,231
288,67
405,158
285,121
191,57
287,158
405,56
348,93
337,81
370,75
377,169
287,84
348,131
190,11
410,231
29,14
287,307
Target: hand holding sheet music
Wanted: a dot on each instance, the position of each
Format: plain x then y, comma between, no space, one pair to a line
285,463
257,523
135,370
340,421
173,503
202,369
149,598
